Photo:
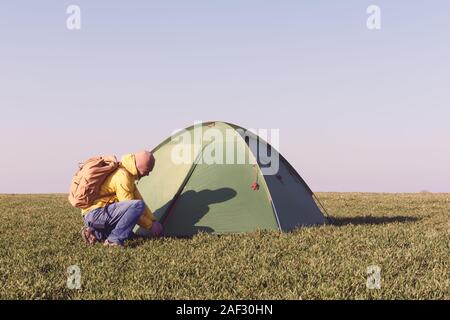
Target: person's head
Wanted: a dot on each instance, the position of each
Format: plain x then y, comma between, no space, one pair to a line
145,162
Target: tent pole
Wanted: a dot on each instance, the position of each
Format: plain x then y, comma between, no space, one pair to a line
323,208
166,215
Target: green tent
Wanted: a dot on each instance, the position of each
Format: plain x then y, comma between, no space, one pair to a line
201,183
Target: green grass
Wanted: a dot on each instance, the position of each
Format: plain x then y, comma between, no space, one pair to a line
407,235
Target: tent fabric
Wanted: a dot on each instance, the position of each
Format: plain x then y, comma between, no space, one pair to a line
217,198
291,196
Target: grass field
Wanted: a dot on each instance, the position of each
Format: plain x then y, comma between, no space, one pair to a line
406,235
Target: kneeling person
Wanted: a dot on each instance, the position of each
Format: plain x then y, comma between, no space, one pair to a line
120,206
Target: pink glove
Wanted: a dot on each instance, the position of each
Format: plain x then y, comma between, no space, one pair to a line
156,229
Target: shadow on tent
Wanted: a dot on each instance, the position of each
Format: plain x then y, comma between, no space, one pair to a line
343,221
188,209
192,206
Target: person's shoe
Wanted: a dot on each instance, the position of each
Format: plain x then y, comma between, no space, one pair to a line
108,243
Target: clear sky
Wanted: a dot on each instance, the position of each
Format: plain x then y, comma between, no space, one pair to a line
357,109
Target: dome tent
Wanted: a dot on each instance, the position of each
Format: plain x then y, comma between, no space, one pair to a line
201,183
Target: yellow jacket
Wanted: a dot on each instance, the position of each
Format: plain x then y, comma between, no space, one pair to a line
120,186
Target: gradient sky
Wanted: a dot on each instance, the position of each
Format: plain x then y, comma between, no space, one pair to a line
358,110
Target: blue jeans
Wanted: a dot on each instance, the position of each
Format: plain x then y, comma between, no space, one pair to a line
116,221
